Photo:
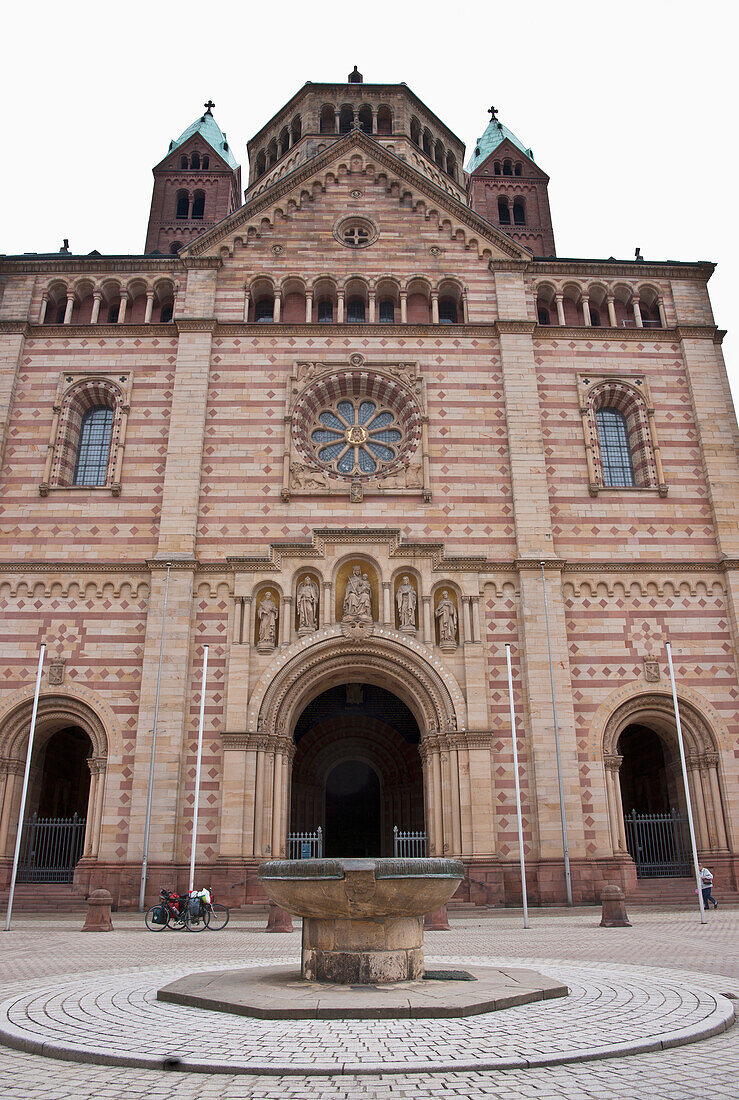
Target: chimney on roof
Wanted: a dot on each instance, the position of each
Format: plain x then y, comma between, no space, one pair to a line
355,77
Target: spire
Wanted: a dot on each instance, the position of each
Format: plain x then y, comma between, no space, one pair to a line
211,132
495,134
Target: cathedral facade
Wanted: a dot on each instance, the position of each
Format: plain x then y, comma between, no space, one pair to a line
357,429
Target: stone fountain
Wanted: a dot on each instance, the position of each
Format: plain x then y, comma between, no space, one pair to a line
362,918
362,950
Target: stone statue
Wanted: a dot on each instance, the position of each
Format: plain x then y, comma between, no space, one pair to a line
446,613
358,598
267,622
406,599
307,595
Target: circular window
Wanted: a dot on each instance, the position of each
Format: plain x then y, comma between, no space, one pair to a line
356,425
357,437
356,232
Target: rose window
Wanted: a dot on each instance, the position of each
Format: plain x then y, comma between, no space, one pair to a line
357,437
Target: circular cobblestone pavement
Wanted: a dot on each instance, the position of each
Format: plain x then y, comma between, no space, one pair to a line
115,1019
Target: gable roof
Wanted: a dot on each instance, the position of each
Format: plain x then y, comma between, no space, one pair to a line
494,136
305,173
211,132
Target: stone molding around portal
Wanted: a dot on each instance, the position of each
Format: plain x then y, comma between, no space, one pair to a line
704,725
432,692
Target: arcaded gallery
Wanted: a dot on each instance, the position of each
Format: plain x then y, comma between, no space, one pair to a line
349,422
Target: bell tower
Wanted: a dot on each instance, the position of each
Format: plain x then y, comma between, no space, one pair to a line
196,185
508,188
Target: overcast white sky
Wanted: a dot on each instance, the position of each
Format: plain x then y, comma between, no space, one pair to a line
631,108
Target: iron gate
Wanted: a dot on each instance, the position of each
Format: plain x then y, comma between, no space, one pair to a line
305,845
658,844
51,847
408,845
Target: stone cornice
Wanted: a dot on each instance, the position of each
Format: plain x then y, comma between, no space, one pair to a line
196,324
89,331
233,564
30,265
490,329
670,269
306,172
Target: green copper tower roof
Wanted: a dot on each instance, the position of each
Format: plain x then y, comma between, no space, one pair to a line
208,129
494,136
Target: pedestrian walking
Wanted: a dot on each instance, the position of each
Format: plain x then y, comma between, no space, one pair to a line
706,887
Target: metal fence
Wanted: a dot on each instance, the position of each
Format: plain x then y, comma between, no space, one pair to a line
408,845
658,844
305,845
50,848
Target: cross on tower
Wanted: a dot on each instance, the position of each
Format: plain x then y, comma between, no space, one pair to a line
493,112
209,107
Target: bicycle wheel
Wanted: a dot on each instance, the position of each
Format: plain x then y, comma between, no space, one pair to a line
176,921
217,917
151,924
196,922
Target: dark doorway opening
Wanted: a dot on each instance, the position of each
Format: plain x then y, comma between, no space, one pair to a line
357,771
353,810
656,826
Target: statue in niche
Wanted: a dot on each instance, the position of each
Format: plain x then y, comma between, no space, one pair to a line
268,613
406,600
446,613
358,598
307,601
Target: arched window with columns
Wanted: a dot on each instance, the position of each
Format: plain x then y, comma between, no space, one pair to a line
622,450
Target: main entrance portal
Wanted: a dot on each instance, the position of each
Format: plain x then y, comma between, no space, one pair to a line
357,770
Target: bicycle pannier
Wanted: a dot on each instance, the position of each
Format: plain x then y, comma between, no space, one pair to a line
195,907
159,916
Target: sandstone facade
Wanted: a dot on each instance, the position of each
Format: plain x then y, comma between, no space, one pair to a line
490,364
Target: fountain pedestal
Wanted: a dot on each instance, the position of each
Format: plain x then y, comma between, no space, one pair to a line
362,918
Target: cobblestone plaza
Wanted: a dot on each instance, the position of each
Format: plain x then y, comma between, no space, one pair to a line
633,987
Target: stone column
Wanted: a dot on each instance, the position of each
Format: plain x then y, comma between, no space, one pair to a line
149,307
615,805
339,307
465,307
454,790
259,799
327,604
696,797
476,626
99,806
711,761
286,620
44,307
586,310
436,795
14,771
637,312
559,299
90,815
662,314
467,620
387,613
277,806
308,307
97,298
277,307
247,303
122,308
372,297
434,307
428,629
611,311
404,307
69,308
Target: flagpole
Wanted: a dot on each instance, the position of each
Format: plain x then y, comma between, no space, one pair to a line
197,773
147,822
565,845
24,792
696,866
518,790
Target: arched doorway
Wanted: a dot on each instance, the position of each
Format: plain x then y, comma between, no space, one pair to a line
66,780
653,804
645,788
357,770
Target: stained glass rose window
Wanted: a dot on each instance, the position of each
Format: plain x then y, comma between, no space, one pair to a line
356,437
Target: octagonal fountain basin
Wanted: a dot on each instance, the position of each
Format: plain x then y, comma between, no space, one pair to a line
362,918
